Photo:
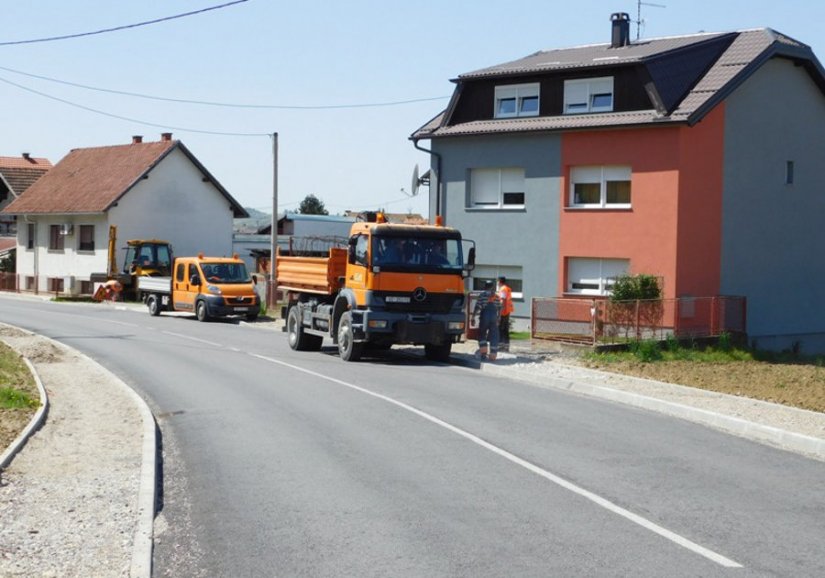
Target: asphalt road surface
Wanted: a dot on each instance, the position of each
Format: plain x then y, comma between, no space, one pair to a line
282,463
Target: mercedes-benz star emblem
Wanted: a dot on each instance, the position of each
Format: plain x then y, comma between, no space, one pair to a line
420,294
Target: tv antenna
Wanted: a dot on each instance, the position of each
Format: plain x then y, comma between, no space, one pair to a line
639,20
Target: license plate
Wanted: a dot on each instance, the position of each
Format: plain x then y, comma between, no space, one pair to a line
241,308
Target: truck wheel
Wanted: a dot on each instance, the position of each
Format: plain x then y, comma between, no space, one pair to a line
347,347
153,305
298,340
438,352
201,311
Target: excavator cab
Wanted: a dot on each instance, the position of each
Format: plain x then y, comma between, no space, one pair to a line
152,258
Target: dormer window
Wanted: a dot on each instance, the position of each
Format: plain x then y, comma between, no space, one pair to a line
588,95
517,100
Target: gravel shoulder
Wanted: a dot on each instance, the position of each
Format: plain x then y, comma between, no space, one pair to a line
69,499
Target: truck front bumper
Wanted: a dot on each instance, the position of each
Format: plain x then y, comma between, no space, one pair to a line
410,328
217,306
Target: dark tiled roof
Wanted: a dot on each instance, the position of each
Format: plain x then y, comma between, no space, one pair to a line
690,75
91,180
594,55
19,173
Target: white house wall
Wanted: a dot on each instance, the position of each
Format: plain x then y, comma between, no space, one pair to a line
176,205
44,264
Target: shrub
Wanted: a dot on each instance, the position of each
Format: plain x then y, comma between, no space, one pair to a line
647,351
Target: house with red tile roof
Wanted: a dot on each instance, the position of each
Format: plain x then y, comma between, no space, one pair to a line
691,158
148,190
17,174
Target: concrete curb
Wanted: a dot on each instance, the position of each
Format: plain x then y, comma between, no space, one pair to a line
35,423
769,435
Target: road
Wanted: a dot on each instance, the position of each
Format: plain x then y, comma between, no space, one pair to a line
280,463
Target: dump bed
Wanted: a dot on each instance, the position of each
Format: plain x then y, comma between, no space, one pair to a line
320,275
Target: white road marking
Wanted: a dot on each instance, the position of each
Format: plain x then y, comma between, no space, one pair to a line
190,338
596,499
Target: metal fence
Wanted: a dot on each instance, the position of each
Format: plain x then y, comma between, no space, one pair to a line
601,321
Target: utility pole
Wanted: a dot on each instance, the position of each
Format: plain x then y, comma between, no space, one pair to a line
273,255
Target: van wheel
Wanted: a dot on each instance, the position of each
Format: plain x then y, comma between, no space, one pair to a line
153,305
298,340
201,311
438,352
347,347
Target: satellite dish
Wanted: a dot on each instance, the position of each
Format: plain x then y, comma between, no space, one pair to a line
416,182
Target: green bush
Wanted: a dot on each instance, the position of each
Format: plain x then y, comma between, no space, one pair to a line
647,351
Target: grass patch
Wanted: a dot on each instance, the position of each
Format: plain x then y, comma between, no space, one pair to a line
651,351
519,335
11,398
16,381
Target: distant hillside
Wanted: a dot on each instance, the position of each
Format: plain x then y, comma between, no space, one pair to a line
256,214
256,220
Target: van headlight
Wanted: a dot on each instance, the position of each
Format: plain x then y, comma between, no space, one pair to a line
377,323
215,290
455,325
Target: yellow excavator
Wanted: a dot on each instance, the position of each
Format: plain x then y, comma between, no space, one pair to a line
144,258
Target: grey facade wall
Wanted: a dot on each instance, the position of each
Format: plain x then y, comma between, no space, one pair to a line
514,239
772,232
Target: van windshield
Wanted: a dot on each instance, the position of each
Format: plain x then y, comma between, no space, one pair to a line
225,272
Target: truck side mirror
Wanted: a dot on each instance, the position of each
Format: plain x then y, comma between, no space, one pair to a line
471,259
195,280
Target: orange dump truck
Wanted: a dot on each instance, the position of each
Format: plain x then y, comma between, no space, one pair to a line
393,284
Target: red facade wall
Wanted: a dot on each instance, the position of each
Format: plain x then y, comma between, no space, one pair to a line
672,229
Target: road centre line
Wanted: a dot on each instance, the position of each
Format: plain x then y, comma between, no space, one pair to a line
596,499
190,338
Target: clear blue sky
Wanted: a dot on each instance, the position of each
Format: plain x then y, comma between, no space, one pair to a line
304,54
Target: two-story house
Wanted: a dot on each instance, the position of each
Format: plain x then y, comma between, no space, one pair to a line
146,190
692,158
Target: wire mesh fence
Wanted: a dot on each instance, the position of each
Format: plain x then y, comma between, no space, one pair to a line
601,321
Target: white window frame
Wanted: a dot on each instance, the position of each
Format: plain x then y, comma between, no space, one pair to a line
488,187
580,95
600,175
594,276
518,93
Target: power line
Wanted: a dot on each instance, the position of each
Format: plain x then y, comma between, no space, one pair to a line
126,118
223,104
125,27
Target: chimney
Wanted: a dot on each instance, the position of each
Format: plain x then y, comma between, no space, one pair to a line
165,136
621,29
137,139
27,156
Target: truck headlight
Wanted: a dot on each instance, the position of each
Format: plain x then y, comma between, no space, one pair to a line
377,323
455,325
215,290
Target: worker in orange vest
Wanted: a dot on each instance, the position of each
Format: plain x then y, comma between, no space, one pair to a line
505,294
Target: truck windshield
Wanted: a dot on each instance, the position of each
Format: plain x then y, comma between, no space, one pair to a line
397,253
225,273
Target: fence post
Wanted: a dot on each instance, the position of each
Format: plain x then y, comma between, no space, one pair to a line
637,322
714,317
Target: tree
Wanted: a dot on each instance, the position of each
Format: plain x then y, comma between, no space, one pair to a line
312,205
8,263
